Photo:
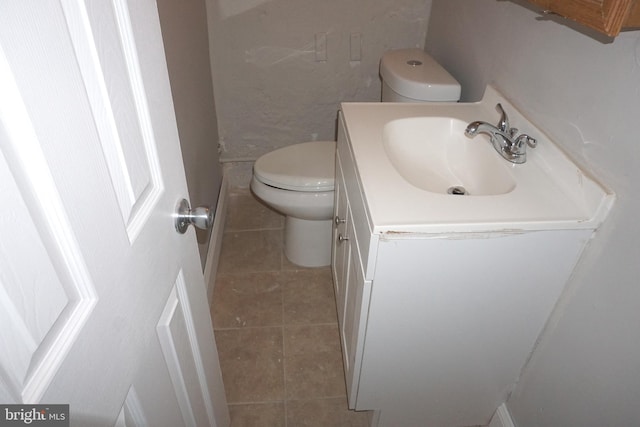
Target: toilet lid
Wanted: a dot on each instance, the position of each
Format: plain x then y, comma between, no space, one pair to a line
309,166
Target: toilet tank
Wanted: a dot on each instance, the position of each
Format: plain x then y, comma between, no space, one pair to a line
412,75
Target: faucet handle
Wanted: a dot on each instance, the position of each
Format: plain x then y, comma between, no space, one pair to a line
532,142
503,124
526,139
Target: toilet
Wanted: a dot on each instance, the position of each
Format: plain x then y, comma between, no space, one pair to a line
298,180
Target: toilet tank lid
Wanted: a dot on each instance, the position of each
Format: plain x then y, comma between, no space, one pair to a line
308,166
415,74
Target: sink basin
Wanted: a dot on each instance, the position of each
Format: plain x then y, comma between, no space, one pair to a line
408,157
433,154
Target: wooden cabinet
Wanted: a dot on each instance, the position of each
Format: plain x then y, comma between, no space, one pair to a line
606,16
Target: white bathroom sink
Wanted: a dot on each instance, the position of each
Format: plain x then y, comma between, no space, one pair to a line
433,153
408,157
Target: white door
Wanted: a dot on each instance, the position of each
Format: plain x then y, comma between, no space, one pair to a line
102,302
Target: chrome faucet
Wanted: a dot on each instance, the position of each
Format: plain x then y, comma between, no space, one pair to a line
503,137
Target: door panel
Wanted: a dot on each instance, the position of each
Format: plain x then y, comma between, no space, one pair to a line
118,102
132,413
102,302
46,292
179,342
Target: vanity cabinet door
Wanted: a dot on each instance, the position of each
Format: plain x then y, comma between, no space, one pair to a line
606,16
345,278
340,252
351,289
352,329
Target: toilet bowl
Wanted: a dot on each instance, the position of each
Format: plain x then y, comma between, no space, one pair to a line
297,181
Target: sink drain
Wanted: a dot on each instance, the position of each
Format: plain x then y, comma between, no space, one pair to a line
457,190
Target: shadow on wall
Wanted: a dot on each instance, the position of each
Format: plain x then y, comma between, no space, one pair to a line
186,44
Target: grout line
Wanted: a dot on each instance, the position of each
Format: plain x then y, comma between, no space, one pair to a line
271,402
247,328
282,325
242,230
284,355
281,270
342,396
260,402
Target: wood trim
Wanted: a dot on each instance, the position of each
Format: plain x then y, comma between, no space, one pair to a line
605,16
633,20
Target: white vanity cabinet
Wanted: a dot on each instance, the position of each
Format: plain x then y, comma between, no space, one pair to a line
351,289
436,326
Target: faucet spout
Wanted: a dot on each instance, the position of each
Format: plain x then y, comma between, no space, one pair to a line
503,138
498,138
477,127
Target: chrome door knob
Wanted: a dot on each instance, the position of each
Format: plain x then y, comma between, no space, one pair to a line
201,217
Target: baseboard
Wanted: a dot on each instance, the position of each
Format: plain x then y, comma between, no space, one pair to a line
215,240
502,418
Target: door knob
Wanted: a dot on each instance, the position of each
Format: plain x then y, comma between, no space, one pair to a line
201,217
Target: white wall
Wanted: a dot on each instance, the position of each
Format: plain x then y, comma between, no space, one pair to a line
186,44
586,95
270,89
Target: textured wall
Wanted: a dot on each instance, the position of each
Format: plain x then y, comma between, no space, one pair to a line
186,43
272,89
586,95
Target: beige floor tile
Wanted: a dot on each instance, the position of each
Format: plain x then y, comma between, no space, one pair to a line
313,362
245,212
308,297
276,328
247,299
324,413
250,251
252,364
257,415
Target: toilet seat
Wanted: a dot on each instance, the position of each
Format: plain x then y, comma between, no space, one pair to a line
308,166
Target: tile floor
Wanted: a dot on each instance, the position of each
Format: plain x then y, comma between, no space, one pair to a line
276,328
